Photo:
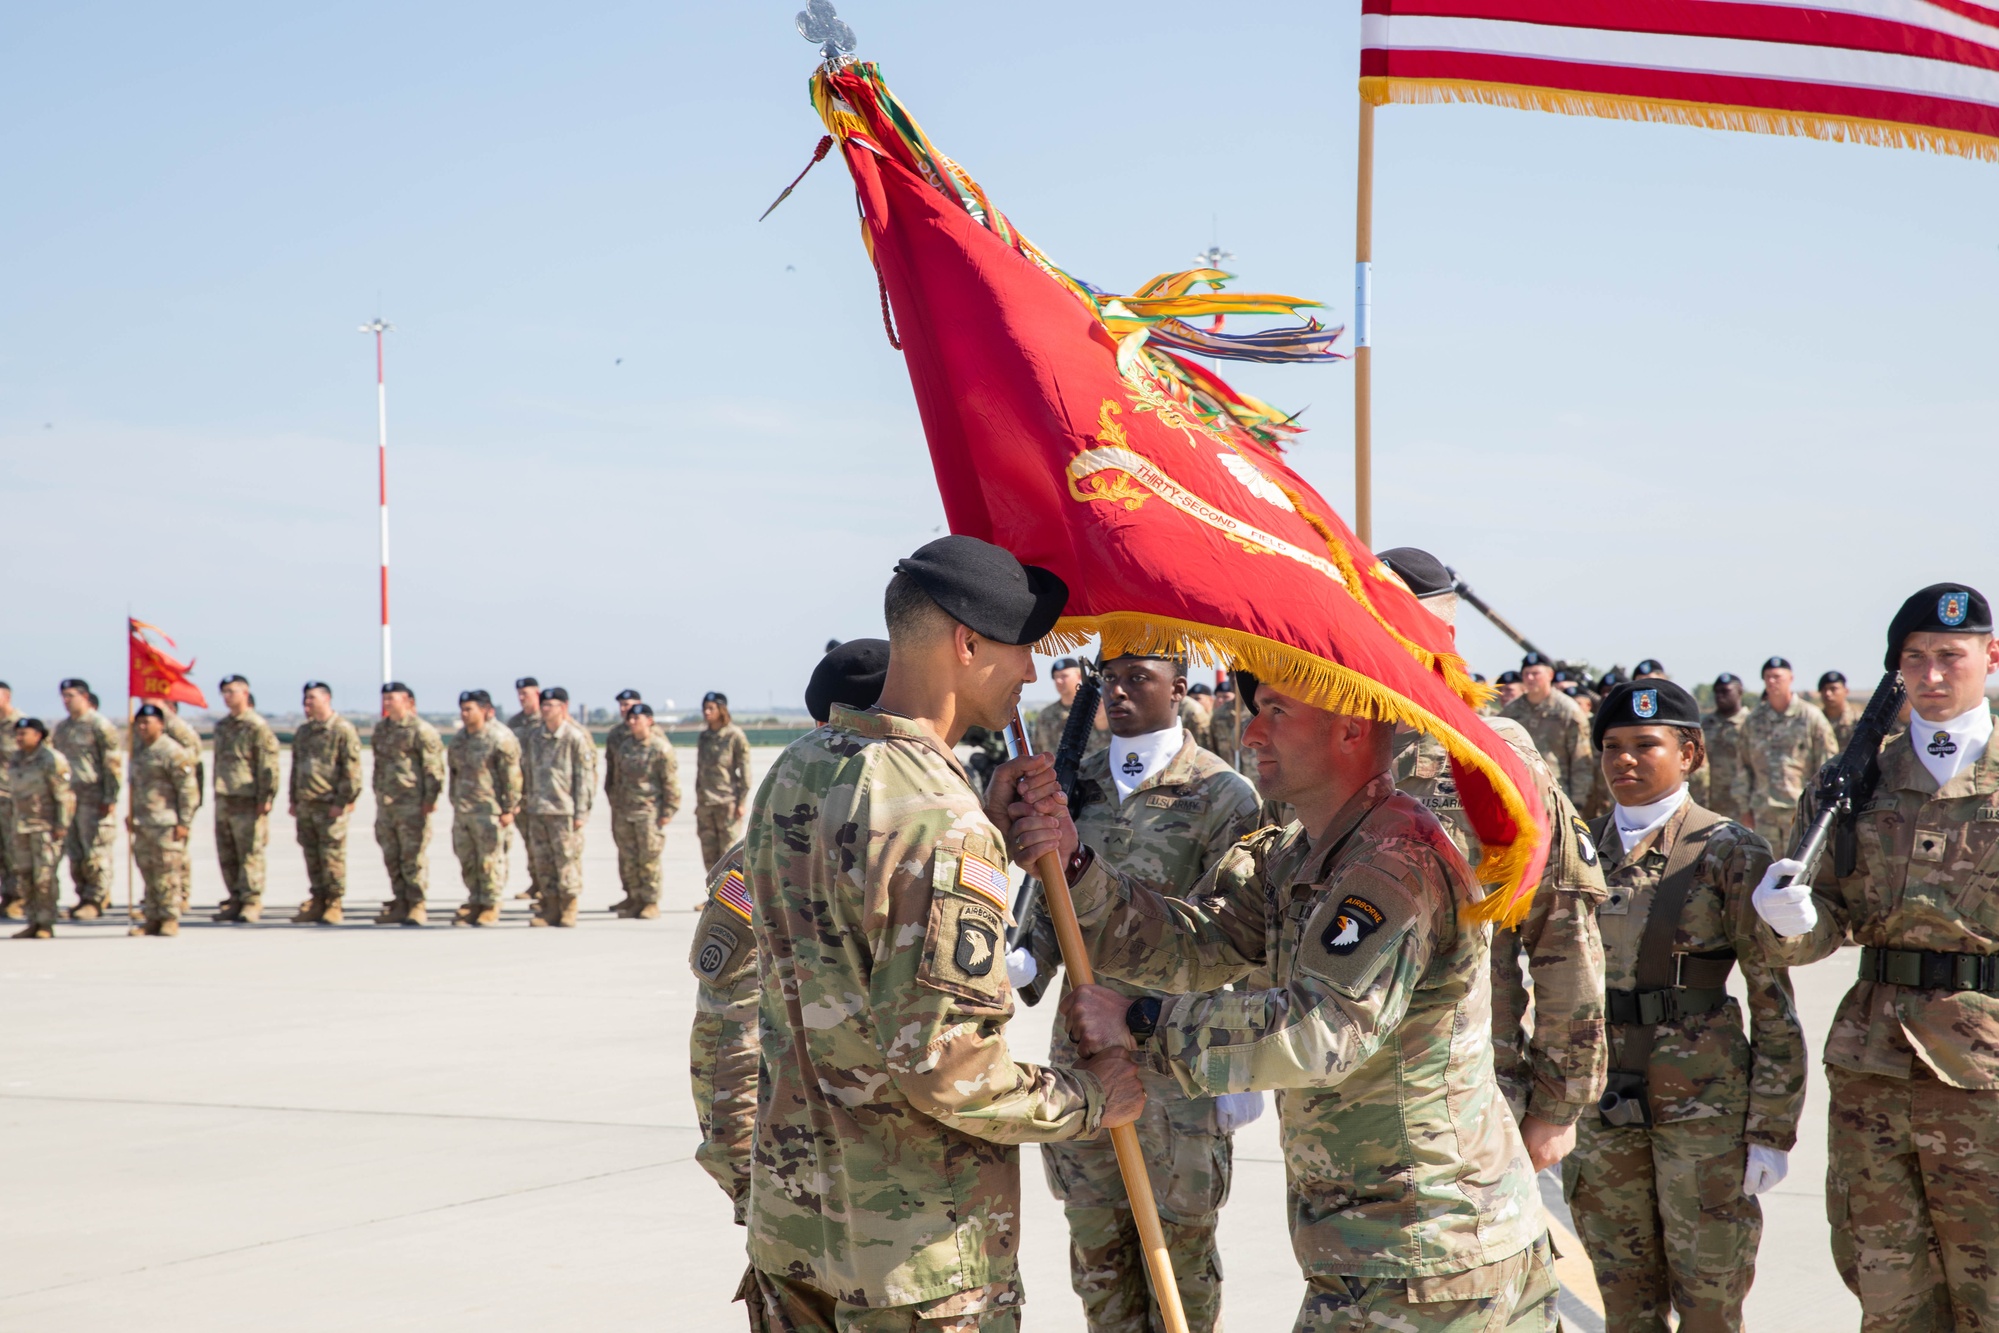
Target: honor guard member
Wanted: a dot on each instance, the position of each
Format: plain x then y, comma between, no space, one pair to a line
528,691
721,779
885,1189
11,906
86,738
626,698
1357,977
164,803
1912,1181
325,784
1551,1069
483,767
409,778
1699,1116
724,1047
36,780
1160,808
642,783
246,787
1558,727
1784,744
559,780
1838,706
1066,675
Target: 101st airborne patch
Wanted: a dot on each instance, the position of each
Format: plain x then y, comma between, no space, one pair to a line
1353,930
964,952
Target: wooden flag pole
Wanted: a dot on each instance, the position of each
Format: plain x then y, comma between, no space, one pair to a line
1124,1138
1363,351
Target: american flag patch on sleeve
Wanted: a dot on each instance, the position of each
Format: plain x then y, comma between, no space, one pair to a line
985,879
734,894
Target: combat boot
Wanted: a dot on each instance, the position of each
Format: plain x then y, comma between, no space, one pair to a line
463,916
624,906
332,914
647,912
36,933
85,912
171,926
486,916
568,912
12,910
309,911
143,928
229,911
248,912
393,913
416,914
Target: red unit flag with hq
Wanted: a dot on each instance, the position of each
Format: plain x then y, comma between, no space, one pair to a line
154,675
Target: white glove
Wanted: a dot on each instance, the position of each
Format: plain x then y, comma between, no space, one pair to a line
1021,969
1766,1170
1233,1110
1789,910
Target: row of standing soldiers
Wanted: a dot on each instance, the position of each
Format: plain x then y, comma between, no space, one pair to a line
538,774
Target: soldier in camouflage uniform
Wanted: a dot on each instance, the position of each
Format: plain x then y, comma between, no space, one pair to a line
164,803
885,1180
528,691
721,779
483,763
559,784
90,743
1066,675
1785,742
1164,824
1357,977
1838,706
642,782
1699,1118
246,787
325,784
36,779
1558,727
11,907
1722,784
1912,1183
409,779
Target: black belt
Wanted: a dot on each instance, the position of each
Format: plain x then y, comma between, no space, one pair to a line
1926,969
1703,989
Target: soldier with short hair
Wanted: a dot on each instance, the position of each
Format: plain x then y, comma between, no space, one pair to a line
1722,784
409,778
626,698
246,787
527,690
559,777
721,778
1838,706
36,779
164,803
90,744
642,782
1558,726
1785,742
484,768
1066,675
325,785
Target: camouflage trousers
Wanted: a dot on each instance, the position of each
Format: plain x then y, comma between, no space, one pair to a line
1516,1295
1189,1161
162,861
555,855
241,829
322,836
1661,1214
784,1305
403,834
32,856
89,843
481,842
9,889
719,829
640,841
1912,1193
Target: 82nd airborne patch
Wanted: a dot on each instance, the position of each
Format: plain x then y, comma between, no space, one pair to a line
716,950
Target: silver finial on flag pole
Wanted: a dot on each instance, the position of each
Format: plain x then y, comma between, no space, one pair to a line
817,22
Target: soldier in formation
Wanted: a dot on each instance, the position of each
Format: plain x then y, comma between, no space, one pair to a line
1838,706
1558,727
40,804
409,778
527,691
1913,1056
1722,783
559,782
721,779
164,804
246,787
642,783
1785,741
1066,675
325,784
87,740
483,766
11,905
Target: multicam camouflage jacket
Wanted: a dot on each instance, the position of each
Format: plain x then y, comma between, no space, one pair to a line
1927,878
642,779
38,785
1048,725
1781,754
326,762
409,763
1703,1067
724,1049
1561,734
182,733
722,766
484,771
1722,784
558,771
246,757
1554,1068
1368,1010
885,1171
90,743
163,793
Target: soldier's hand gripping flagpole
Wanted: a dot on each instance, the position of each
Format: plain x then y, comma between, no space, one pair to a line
1061,910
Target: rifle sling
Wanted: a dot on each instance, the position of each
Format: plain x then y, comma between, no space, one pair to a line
1657,970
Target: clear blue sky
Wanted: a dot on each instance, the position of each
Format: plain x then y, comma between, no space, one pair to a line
1653,390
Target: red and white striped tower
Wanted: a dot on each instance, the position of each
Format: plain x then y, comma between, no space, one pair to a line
378,328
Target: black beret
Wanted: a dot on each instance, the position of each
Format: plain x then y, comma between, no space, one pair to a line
312,685
1832,678
527,683
150,710
1645,703
1199,689
479,697
1534,659
640,708
1610,679
1423,572
715,697
1565,677
1727,678
1065,664
623,695
1941,608
5,686
1508,678
73,683
555,692
232,679
984,588
1651,666
1245,686
1775,664
397,687
851,674
28,723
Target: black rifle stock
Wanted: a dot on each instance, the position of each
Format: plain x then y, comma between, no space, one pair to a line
1845,785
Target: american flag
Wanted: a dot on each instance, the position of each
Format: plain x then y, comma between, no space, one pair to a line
734,894
983,877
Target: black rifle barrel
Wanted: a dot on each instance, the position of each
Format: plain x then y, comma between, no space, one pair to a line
1480,605
1847,782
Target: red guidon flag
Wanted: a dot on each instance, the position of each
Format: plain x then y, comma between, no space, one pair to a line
154,675
1064,425
1905,73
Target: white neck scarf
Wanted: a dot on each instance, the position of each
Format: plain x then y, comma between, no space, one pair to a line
1948,748
1136,760
1635,823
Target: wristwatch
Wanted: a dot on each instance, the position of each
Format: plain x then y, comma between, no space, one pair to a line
1142,1017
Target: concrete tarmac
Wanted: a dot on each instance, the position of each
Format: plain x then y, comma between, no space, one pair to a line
303,1128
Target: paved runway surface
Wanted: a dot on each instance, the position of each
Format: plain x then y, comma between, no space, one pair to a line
289,1127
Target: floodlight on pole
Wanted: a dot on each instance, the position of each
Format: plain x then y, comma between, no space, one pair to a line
378,328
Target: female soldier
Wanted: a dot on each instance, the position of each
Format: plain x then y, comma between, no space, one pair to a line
1696,1120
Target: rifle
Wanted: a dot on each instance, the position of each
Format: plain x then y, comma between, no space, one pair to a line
1480,605
1068,762
1845,785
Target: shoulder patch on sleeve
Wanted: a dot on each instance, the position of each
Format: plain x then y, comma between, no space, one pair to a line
1585,844
732,891
718,945
1353,930
964,951
984,878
